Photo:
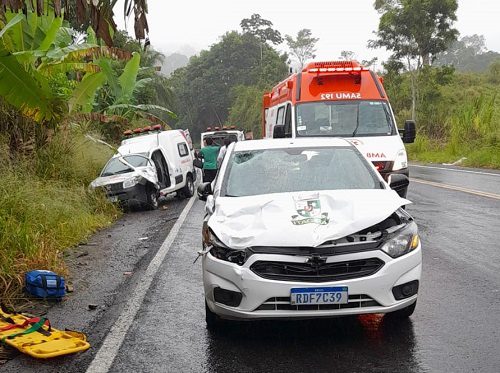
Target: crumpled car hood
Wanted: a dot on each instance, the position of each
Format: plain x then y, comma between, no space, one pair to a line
106,180
300,219
147,172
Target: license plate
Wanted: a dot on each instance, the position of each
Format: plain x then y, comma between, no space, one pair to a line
327,295
113,199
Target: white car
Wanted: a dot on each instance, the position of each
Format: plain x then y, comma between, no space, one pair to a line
306,228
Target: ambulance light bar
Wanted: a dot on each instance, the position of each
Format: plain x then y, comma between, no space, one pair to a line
336,69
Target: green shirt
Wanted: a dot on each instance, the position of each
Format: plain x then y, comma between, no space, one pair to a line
210,157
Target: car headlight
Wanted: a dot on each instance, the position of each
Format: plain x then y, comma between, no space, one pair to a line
402,242
129,183
221,251
401,160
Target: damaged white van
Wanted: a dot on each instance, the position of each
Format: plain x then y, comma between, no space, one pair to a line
149,163
306,228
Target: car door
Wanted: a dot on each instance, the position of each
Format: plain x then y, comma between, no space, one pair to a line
161,169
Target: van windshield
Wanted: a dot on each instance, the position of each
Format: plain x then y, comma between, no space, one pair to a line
344,119
114,166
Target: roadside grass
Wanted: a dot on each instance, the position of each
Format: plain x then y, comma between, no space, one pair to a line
46,207
477,154
473,133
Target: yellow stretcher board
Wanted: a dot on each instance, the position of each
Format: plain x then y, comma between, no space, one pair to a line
37,338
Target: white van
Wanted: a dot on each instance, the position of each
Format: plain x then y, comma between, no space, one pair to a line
218,135
149,163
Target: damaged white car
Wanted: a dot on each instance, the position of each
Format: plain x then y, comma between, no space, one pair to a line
306,228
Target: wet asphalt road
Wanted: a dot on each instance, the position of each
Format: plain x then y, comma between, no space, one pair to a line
455,327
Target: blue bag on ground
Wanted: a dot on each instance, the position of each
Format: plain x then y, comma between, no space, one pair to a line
45,284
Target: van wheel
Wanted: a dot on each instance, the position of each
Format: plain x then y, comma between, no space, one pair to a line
151,198
188,190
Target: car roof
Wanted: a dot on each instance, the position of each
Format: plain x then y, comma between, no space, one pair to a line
310,142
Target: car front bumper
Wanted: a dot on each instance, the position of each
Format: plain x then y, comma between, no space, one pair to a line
267,299
135,194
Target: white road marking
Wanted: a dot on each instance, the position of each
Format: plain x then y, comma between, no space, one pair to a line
454,187
456,170
109,350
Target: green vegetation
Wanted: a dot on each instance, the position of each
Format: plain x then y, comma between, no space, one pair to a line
83,14
213,89
458,115
56,85
46,206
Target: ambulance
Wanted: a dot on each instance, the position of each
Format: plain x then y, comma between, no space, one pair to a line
218,134
340,99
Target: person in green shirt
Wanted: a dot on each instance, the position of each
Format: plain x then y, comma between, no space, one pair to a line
209,154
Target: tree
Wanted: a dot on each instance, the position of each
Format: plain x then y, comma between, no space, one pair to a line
96,13
416,28
347,55
370,62
415,31
39,65
245,111
261,28
204,88
303,47
469,53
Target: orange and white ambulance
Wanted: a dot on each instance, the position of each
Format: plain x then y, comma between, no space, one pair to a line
340,99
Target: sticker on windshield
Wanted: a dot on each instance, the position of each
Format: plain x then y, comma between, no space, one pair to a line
309,212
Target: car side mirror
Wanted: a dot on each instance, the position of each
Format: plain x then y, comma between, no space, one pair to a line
409,132
204,190
278,131
398,182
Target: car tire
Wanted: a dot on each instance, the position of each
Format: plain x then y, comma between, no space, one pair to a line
403,313
188,190
212,319
151,198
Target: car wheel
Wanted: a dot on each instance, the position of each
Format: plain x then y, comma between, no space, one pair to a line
213,320
403,313
188,190
151,198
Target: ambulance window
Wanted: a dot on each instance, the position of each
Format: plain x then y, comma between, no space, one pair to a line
280,116
183,150
288,121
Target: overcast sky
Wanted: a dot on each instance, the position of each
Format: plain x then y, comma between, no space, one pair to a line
339,25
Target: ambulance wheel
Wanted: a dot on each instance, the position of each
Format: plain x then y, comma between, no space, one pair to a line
188,190
151,198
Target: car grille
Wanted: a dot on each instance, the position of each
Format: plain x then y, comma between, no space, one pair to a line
316,272
283,304
116,187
